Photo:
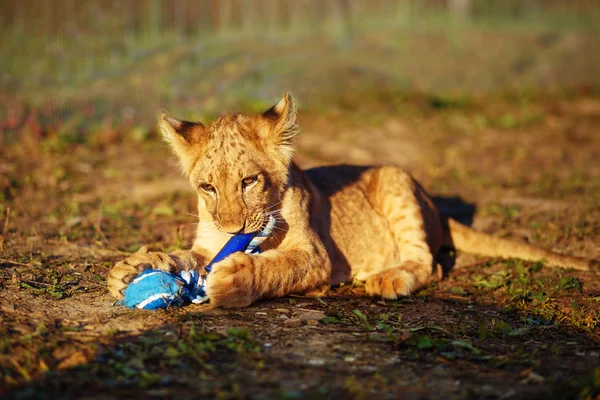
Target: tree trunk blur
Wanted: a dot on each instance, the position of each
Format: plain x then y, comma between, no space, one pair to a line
460,8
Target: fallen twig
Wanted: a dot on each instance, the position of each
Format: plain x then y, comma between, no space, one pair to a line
5,229
7,261
98,226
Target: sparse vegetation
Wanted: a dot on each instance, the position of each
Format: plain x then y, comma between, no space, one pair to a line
502,110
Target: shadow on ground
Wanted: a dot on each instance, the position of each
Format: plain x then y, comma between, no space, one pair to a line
433,345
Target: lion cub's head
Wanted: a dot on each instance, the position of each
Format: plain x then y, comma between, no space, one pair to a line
239,164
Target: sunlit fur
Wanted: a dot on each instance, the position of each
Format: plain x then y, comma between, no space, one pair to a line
229,150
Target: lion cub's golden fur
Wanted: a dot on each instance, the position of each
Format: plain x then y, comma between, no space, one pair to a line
375,224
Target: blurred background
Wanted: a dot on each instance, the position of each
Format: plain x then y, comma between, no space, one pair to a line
494,103
74,68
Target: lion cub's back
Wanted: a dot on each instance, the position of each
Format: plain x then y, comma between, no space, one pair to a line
357,236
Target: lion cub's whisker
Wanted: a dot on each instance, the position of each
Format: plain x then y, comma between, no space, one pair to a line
274,205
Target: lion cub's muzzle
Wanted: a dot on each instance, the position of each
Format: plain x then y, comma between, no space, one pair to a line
230,223
236,223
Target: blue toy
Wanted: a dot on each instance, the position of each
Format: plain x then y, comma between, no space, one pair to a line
154,289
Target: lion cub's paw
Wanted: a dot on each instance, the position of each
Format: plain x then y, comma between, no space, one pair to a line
390,283
319,291
119,277
126,270
231,282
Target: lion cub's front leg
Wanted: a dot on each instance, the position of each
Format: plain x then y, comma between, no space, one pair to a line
125,271
241,279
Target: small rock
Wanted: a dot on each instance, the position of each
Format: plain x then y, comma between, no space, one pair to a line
312,322
292,322
393,360
534,378
283,310
312,315
316,362
283,316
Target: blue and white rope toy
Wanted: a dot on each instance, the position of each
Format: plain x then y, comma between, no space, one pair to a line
154,289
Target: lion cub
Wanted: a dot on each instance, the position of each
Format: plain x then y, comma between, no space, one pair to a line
334,224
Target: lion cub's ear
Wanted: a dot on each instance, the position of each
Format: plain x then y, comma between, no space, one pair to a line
282,126
182,136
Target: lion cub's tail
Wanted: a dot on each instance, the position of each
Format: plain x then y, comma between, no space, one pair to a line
474,242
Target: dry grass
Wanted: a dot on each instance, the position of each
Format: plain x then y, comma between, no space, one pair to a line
506,119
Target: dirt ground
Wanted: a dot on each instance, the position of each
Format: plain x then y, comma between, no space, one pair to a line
528,167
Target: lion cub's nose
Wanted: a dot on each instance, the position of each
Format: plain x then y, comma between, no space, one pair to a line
233,228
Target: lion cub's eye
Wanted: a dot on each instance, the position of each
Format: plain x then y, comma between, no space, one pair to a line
249,181
207,187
